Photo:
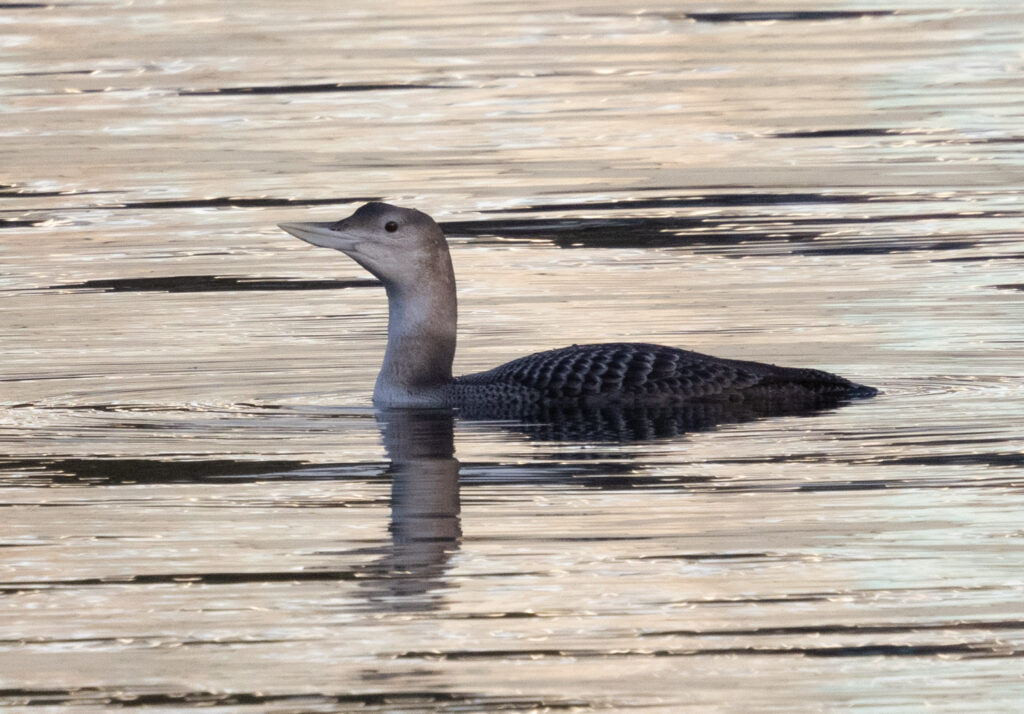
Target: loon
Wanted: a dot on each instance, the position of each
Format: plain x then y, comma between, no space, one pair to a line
408,252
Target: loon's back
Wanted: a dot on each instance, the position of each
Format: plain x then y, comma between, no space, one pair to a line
641,374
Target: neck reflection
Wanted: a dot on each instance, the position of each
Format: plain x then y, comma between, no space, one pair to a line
425,527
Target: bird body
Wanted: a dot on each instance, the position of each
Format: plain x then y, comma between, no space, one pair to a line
407,250
637,373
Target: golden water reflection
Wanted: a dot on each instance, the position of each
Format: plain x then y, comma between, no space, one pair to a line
198,496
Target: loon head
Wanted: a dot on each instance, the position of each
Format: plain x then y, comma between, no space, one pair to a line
401,246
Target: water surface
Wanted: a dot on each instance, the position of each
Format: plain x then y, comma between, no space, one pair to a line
202,509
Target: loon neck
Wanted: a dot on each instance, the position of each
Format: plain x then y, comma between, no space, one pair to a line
422,320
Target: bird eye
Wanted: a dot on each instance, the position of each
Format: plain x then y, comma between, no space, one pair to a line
391,226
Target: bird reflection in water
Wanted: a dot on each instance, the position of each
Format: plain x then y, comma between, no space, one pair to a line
425,527
425,502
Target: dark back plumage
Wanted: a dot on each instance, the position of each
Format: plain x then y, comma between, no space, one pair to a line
631,373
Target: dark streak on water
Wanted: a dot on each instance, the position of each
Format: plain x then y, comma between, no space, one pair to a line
729,228
980,258
55,73
12,223
217,578
309,88
119,471
723,230
601,472
406,700
836,133
210,283
795,16
216,202
862,629
166,204
923,138
976,649
236,202
707,200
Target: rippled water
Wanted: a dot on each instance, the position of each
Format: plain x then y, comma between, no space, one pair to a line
202,509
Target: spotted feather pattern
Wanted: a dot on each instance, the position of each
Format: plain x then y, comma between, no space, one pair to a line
635,373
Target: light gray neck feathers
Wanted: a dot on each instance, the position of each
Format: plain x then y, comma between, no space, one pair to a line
422,320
